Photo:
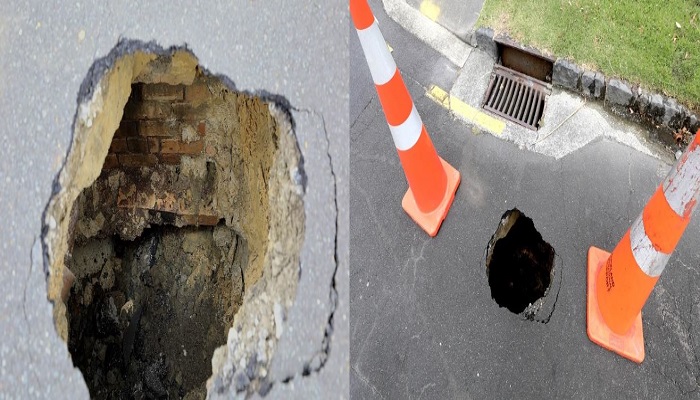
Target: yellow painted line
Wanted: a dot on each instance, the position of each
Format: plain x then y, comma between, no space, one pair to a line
466,111
430,10
439,95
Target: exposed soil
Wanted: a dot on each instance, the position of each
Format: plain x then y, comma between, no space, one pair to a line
147,314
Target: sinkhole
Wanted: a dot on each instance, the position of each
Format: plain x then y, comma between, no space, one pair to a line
519,265
176,217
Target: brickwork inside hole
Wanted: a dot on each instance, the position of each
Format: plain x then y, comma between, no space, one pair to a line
178,197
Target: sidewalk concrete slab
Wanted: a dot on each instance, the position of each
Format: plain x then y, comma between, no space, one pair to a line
458,16
437,37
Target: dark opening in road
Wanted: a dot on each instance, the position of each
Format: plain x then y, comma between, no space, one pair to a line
519,264
177,218
147,314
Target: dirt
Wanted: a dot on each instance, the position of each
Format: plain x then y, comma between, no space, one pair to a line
519,263
147,314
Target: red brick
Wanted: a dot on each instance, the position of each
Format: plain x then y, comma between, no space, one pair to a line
182,110
162,91
186,112
202,128
180,147
188,219
197,93
147,110
137,145
126,128
153,145
137,160
208,219
155,128
111,162
118,145
170,159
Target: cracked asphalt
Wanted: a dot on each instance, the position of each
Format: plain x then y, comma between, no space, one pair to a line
423,322
265,48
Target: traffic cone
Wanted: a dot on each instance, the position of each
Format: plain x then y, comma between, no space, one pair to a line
432,182
617,293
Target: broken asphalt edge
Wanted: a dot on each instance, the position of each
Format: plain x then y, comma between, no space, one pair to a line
98,70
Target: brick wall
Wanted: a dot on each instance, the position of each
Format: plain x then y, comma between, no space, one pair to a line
151,130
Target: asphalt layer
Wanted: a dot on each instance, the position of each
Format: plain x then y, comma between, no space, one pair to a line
276,48
423,322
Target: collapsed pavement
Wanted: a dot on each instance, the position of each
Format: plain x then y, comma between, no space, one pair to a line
310,351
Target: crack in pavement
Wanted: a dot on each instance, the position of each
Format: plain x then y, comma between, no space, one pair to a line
669,311
323,354
361,112
367,383
654,364
427,386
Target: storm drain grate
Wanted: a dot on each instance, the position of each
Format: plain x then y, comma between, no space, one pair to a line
516,97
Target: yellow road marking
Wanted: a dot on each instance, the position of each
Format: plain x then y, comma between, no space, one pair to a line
466,111
430,10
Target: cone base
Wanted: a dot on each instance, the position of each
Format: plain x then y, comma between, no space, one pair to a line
431,221
629,345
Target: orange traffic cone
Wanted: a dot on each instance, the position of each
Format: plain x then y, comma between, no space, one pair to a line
432,182
620,283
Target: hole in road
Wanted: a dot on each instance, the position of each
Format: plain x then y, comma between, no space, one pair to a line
518,263
177,216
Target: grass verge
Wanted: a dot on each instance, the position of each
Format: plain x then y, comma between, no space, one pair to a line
652,43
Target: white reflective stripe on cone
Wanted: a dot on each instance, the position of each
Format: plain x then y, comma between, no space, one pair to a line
650,260
407,134
681,187
381,63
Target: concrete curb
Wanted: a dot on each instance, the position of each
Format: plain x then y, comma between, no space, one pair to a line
432,33
627,100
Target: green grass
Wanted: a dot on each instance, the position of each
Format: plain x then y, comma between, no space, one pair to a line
634,40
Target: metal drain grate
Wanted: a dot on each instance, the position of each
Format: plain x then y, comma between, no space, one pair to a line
516,97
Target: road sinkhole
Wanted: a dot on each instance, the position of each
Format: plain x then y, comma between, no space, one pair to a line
176,219
520,266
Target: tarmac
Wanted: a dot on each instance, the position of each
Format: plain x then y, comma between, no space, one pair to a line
268,48
423,321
